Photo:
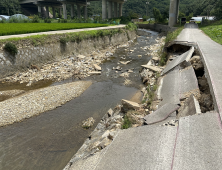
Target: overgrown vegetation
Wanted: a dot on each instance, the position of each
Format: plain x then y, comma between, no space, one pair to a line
126,123
11,48
214,31
173,35
20,28
38,40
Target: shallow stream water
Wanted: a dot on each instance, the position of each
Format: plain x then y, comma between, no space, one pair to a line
48,141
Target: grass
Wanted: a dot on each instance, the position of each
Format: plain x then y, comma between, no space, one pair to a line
214,31
173,35
126,123
24,28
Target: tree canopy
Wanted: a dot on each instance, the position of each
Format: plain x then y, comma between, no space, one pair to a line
9,7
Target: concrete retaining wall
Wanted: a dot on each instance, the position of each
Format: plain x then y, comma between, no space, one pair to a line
57,51
157,27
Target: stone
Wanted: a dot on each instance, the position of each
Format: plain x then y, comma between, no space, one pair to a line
118,68
128,105
130,71
88,123
153,68
124,74
125,62
97,67
139,56
156,59
131,50
105,142
110,112
105,134
81,56
94,73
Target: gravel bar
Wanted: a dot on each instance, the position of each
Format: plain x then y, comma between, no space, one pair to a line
38,101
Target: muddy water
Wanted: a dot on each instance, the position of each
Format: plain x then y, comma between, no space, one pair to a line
48,141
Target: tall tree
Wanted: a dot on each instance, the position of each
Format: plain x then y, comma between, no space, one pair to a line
9,7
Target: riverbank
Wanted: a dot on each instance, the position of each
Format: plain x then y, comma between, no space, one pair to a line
38,101
125,115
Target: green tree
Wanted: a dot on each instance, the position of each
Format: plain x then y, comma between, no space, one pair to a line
157,15
9,7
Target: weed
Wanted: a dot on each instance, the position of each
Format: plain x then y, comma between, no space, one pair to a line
63,40
11,48
173,35
126,123
131,27
163,58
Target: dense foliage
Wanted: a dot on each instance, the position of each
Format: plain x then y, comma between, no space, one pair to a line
9,7
20,28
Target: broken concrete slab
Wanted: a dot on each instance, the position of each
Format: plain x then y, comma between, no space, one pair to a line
98,68
127,105
191,107
169,88
153,68
146,147
185,57
198,144
161,114
176,84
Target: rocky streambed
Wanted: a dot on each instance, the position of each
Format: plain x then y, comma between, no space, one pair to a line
58,134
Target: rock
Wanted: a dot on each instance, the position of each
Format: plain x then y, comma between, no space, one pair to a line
117,68
125,62
88,123
128,105
139,56
156,59
130,71
97,67
109,53
110,112
105,142
81,56
153,68
94,73
131,50
124,74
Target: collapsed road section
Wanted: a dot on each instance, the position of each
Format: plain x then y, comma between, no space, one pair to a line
182,129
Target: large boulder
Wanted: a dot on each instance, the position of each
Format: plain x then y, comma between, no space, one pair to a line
129,105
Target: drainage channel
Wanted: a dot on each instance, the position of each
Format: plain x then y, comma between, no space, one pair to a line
48,141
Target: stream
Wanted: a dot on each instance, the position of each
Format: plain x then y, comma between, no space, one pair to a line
48,141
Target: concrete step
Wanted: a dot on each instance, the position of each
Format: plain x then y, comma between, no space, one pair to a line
161,114
185,57
199,143
147,147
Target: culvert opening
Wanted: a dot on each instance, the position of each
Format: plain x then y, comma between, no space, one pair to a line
205,100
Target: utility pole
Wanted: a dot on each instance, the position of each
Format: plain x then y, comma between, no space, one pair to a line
147,3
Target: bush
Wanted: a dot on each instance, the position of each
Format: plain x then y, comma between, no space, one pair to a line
64,40
47,20
11,48
36,19
131,27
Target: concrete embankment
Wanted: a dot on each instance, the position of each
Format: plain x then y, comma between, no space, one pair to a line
51,48
53,62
